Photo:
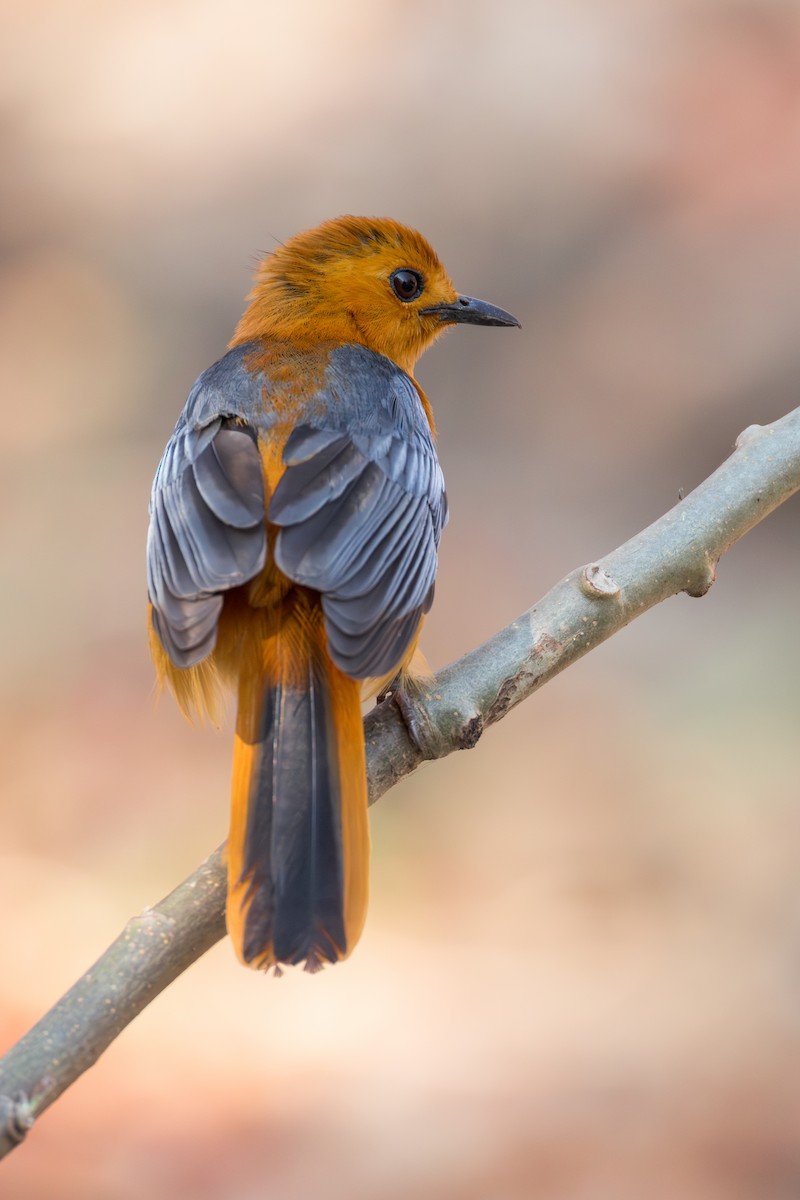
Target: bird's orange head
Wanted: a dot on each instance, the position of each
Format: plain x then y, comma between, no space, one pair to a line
366,280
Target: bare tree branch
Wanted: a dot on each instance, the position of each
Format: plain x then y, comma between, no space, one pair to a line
678,553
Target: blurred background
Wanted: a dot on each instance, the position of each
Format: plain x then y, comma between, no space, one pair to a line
580,977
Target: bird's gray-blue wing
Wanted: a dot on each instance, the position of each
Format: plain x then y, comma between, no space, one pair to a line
360,516
206,533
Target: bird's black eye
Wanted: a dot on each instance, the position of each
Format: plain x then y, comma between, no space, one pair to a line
406,284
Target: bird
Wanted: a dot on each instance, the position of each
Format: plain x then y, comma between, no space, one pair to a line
292,548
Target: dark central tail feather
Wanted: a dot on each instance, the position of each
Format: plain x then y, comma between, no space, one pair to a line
298,852
293,844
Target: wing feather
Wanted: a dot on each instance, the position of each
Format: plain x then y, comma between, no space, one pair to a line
206,535
359,521
230,480
318,480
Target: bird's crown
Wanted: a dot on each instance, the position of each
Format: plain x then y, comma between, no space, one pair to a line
367,280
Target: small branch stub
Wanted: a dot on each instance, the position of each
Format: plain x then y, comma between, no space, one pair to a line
16,1117
748,435
597,584
706,576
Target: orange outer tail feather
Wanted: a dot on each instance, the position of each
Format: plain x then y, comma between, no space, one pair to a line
298,850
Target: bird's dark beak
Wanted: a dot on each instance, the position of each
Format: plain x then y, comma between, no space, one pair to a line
466,310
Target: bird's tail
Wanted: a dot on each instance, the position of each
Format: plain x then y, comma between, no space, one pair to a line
298,850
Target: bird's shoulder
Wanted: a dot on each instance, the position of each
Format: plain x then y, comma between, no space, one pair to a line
328,385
